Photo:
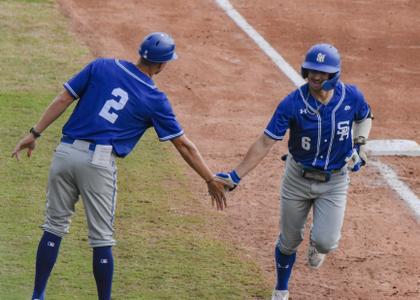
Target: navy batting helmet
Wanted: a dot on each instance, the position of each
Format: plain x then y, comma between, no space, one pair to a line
323,58
158,47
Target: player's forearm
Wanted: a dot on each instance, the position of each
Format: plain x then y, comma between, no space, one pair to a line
254,156
54,110
192,156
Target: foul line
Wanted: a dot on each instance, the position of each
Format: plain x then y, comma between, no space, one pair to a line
398,186
261,42
390,176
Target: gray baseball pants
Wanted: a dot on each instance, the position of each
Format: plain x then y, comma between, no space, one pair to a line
298,196
71,175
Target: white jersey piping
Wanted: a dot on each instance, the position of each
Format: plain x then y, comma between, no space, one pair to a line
67,85
133,75
168,137
343,95
270,134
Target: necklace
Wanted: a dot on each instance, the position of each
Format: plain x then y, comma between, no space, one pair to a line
317,103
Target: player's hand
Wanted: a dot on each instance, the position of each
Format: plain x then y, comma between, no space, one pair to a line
217,192
28,142
361,150
230,180
356,160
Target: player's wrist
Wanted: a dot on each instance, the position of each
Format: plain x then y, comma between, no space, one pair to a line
36,134
235,177
360,140
230,179
209,180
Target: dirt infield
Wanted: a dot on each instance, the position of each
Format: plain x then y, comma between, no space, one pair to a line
224,90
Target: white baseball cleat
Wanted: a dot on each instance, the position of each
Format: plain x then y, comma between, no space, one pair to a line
315,259
280,295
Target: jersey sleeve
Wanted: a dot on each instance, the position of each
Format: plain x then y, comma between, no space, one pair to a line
362,107
164,120
78,83
279,123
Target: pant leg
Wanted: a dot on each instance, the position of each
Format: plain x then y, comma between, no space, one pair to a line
98,188
296,202
62,192
328,213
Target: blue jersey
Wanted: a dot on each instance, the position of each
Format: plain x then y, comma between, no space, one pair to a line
117,104
320,135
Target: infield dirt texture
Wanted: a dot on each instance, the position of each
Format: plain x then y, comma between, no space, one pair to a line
224,90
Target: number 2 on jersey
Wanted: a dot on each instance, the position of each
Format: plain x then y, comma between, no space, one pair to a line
115,104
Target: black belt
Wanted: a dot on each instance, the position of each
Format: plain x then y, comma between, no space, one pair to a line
314,174
318,175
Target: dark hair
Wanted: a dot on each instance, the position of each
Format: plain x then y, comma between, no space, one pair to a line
148,63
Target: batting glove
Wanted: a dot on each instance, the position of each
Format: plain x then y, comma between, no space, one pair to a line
355,161
230,180
362,153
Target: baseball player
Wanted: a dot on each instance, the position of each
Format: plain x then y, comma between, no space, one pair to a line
329,122
117,102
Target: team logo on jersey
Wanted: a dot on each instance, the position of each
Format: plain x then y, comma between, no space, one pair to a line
320,57
303,111
347,107
343,130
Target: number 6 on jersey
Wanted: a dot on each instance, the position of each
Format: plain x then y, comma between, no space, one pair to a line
111,103
306,143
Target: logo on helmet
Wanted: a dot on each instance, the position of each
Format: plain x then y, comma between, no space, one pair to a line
320,57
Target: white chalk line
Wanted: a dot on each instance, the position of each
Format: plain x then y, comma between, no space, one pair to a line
389,175
261,42
398,186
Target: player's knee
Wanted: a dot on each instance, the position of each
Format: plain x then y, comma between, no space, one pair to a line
288,246
101,234
325,244
103,240
57,226
101,243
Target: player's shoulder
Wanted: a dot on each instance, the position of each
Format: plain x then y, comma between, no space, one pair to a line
297,96
353,90
131,70
299,92
294,96
291,101
157,95
101,63
158,104
158,98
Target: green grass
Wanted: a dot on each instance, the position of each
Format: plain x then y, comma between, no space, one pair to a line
163,252
37,54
